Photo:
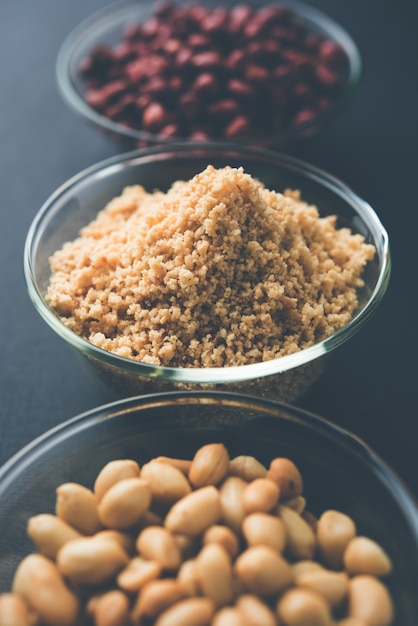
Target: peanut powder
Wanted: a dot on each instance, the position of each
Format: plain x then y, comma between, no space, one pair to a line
218,271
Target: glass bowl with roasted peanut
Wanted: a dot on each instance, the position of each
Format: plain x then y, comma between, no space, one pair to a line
265,74
140,507
206,266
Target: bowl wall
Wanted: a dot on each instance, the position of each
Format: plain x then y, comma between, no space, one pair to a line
339,471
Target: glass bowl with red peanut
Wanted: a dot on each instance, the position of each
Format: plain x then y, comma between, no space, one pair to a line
208,509
264,74
209,266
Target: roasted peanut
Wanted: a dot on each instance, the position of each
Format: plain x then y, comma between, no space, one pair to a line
214,574
300,538
77,505
49,533
297,503
156,597
188,612
40,583
137,573
264,529
247,467
194,513
112,609
263,571
113,472
91,560
260,495
256,612
167,483
302,606
231,493
14,610
210,465
369,600
224,536
158,544
287,476
364,556
187,575
123,504
334,531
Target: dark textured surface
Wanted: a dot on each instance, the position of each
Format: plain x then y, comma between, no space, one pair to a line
370,386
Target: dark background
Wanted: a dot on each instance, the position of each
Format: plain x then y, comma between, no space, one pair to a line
371,386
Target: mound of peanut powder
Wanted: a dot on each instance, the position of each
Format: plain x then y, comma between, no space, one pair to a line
217,271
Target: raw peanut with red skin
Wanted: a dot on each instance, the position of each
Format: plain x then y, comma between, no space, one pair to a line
215,52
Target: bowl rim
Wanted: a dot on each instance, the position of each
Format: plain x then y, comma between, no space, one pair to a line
210,375
343,437
107,15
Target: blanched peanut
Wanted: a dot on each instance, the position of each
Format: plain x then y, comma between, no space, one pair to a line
364,556
167,483
39,582
194,513
123,504
333,586
158,544
305,565
124,539
157,596
182,464
188,544
91,560
264,529
112,609
260,495
263,571
49,533
214,574
210,465
300,538
247,467
334,531
351,621
77,506
256,612
302,607
149,518
228,616
113,472
187,575
224,536
297,503
189,612
287,476
13,610
137,573
233,513
369,600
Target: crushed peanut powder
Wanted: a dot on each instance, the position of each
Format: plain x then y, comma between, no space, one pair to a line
218,271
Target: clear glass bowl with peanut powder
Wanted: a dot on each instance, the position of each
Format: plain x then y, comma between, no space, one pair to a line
339,472
223,278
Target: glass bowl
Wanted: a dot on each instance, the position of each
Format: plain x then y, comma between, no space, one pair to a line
78,201
340,472
304,112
